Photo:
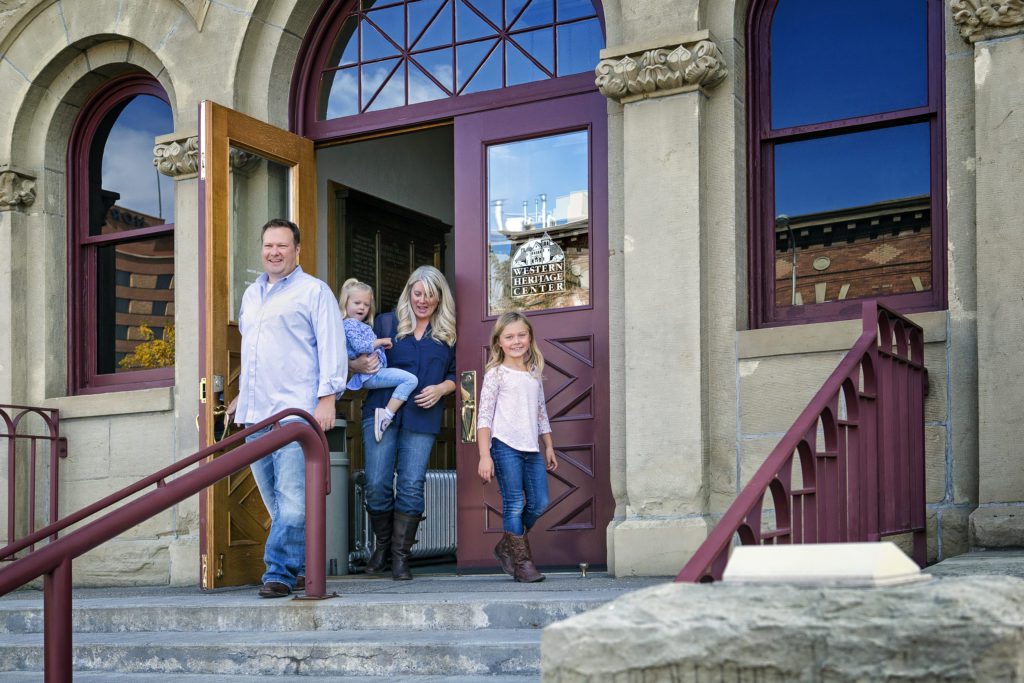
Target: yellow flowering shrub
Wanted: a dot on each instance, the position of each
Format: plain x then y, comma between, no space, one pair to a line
152,353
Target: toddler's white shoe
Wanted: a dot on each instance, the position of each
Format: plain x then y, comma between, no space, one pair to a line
381,421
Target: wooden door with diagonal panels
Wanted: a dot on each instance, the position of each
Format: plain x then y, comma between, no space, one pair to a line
531,234
250,172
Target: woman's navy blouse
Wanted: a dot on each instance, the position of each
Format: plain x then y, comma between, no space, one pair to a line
430,360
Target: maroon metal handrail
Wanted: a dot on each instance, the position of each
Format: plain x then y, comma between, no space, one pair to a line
859,446
12,418
53,561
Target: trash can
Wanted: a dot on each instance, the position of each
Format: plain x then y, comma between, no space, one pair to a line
337,503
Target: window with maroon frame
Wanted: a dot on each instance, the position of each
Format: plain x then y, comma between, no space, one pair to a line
378,55
121,241
847,158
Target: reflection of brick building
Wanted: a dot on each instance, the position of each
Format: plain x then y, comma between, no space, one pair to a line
144,282
865,251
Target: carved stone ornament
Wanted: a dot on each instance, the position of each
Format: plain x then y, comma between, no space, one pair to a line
178,159
17,189
661,71
984,19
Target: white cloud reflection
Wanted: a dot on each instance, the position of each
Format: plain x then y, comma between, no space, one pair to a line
128,159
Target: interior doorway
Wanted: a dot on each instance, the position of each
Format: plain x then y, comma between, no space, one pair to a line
387,205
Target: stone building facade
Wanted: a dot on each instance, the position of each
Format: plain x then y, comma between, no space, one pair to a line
678,171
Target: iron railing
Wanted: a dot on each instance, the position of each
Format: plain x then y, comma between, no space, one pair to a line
851,468
53,561
25,447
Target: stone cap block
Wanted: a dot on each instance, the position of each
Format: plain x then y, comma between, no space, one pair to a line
823,564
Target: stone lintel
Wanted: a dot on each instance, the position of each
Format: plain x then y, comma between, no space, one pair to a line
986,19
17,188
177,155
637,71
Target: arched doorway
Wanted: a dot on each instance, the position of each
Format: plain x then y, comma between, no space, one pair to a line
468,134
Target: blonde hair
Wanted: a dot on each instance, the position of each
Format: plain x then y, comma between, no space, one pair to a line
534,358
442,322
349,286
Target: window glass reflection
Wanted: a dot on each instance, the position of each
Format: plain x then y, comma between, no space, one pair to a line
823,69
135,305
259,190
133,193
538,223
496,44
853,216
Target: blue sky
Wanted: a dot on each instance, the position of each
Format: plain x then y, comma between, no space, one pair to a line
128,157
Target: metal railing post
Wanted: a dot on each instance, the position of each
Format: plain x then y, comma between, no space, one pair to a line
57,623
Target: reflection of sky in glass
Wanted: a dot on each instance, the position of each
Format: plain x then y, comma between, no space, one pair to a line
849,170
833,60
553,166
128,158
424,28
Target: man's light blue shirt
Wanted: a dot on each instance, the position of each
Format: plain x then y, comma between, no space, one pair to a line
293,346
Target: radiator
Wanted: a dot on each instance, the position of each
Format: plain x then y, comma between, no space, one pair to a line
437,533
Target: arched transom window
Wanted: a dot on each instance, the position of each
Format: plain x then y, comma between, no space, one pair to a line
391,54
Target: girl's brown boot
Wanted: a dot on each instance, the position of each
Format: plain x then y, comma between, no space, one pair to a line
523,568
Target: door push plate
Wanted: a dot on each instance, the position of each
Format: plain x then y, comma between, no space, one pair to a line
467,390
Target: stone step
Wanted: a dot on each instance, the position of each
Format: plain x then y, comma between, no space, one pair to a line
361,612
438,603
478,652
109,677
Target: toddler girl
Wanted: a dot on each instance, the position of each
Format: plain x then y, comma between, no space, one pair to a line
357,308
513,416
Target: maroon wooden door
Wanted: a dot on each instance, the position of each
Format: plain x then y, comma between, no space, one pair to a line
531,233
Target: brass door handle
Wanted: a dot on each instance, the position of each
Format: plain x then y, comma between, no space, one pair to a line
467,390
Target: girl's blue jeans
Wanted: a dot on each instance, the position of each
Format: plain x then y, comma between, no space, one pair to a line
523,480
402,452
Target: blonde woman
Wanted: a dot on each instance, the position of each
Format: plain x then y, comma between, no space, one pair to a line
423,329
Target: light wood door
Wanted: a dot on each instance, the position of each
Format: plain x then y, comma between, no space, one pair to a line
250,172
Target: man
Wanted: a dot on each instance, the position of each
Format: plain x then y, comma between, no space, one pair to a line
293,356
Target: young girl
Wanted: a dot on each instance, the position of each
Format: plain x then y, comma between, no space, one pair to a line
512,417
357,308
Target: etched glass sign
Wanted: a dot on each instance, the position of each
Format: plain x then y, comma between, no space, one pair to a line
538,223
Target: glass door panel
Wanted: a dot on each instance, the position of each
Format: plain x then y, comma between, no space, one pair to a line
538,223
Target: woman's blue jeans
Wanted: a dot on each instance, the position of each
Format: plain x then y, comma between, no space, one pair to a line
402,452
281,479
523,480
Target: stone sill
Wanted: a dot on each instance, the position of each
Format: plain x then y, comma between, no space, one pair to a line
820,337
158,400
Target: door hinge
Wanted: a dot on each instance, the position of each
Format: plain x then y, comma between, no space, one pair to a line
220,566
204,567
202,390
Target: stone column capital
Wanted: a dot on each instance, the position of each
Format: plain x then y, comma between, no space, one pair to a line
984,19
635,72
17,188
177,155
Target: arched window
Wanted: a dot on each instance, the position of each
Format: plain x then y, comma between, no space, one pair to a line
121,241
378,56
847,158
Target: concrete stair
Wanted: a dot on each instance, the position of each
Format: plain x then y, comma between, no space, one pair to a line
435,628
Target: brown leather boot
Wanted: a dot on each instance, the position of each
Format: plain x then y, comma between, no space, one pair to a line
382,527
523,568
405,527
503,556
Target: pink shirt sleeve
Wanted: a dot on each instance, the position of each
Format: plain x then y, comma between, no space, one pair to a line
543,425
488,400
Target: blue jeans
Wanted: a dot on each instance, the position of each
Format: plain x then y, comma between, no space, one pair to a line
281,478
404,382
523,480
402,451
